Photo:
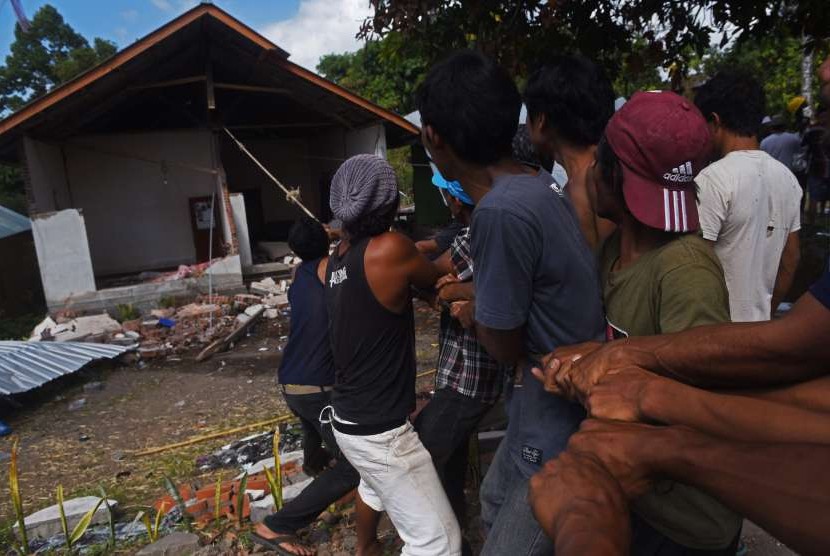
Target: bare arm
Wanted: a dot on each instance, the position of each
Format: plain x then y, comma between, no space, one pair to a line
393,264
457,291
784,351
790,257
784,488
588,514
594,228
427,246
444,263
636,395
505,346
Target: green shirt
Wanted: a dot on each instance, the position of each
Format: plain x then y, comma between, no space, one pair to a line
677,286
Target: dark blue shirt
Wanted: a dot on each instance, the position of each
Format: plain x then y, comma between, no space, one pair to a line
821,289
307,357
534,269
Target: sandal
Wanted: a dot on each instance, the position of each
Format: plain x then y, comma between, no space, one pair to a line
275,544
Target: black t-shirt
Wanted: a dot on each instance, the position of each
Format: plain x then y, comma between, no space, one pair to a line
373,347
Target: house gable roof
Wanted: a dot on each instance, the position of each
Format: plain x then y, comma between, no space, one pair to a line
71,95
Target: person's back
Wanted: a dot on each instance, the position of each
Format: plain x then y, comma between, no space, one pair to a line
749,204
368,282
782,146
374,348
307,358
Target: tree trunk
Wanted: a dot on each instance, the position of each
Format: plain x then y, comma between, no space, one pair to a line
807,75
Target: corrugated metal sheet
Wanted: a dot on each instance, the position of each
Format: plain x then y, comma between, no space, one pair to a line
27,365
12,223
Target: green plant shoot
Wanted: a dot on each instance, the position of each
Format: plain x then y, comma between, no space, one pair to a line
217,500
110,517
277,468
17,500
240,497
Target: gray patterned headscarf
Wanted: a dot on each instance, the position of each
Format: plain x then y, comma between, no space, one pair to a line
362,184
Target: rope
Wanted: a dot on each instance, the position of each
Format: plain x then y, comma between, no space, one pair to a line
150,451
291,196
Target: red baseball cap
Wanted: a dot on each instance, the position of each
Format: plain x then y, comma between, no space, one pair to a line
662,142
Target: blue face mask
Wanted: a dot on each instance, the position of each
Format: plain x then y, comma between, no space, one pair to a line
451,187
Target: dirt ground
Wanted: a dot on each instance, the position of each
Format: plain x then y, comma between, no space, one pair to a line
166,401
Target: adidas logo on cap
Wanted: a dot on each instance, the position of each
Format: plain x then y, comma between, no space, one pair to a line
682,173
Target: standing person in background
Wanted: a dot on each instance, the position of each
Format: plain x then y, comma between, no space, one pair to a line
535,278
306,376
781,144
569,101
818,165
749,203
368,291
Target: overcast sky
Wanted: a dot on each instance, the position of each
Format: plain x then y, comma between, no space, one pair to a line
305,28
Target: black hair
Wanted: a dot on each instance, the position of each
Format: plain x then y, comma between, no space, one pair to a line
736,97
308,239
373,223
576,97
473,104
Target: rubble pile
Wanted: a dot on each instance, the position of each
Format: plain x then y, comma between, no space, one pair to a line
252,449
216,321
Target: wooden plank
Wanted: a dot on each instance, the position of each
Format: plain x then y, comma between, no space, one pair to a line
253,88
169,83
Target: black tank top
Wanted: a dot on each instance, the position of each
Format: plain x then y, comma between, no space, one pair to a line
373,347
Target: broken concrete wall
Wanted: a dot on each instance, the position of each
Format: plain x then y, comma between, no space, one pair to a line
134,191
63,255
47,176
240,220
224,276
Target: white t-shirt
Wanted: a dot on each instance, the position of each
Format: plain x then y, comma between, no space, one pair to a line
749,203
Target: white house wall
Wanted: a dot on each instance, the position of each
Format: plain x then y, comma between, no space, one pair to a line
63,255
135,198
47,177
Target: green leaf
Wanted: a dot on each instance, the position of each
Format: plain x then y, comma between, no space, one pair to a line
174,493
17,500
110,517
83,524
64,524
240,497
217,499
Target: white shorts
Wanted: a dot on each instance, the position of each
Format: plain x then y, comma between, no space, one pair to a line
397,476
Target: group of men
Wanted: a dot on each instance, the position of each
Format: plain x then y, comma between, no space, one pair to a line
615,447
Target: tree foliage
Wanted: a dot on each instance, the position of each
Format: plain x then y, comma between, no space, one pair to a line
775,60
385,71
48,54
623,35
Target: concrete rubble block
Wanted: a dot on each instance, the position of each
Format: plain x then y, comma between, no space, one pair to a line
288,459
275,300
265,287
253,310
271,313
47,522
265,506
163,313
198,310
174,544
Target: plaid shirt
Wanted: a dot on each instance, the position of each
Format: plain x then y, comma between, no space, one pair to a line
463,364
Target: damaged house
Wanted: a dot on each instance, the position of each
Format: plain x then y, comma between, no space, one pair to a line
137,187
